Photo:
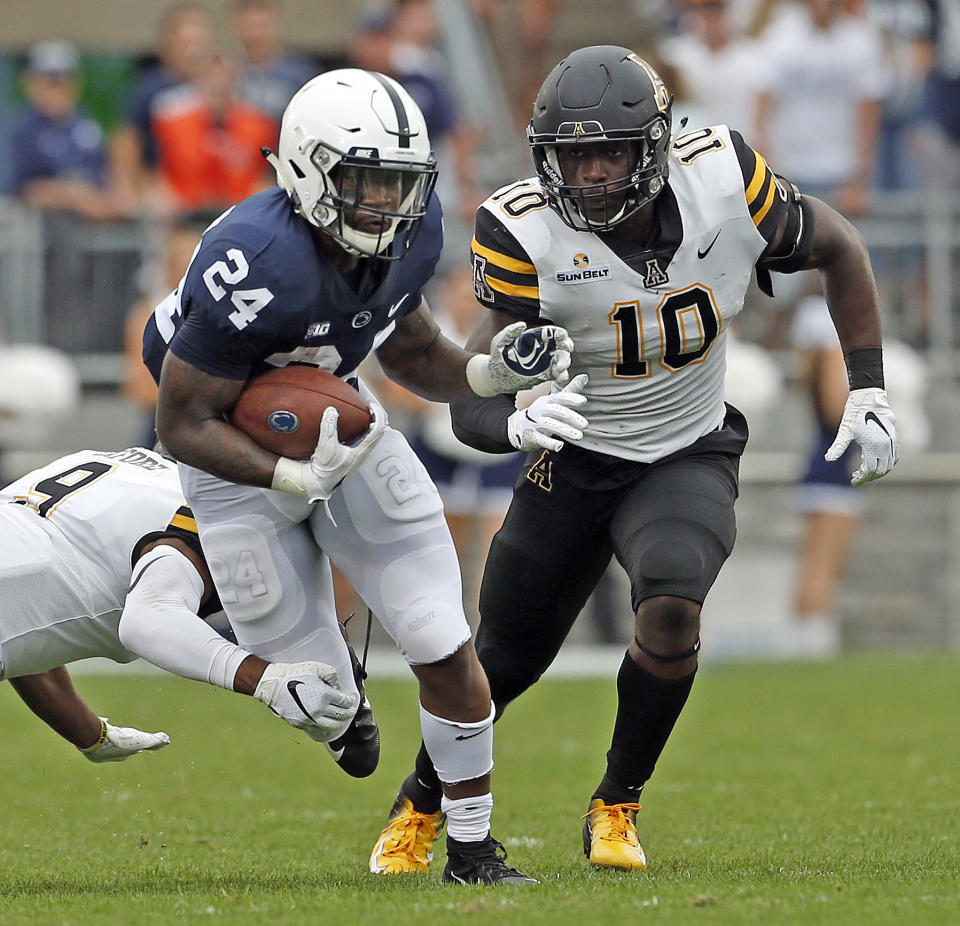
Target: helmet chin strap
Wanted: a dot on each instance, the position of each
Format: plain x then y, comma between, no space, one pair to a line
350,240
610,221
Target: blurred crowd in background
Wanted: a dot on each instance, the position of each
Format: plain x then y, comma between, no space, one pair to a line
113,163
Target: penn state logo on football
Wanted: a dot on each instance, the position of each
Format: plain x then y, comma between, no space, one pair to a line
361,319
283,422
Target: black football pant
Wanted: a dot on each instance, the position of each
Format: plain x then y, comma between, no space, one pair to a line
671,529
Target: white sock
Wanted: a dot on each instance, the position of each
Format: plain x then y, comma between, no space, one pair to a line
468,818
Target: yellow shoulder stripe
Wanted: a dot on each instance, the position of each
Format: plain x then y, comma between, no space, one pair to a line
184,523
758,218
511,289
759,175
502,260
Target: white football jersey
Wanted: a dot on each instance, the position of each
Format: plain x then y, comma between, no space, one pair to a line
67,535
652,340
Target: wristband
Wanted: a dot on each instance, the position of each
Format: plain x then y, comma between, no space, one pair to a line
865,368
478,377
288,477
90,750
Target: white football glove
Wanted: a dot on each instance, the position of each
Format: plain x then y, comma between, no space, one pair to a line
332,462
119,743
548,418
868,420
307,696
520,359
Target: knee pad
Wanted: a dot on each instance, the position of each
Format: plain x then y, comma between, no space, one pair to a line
670,561
459,751
243,569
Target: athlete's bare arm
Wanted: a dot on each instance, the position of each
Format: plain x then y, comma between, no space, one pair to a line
52,697
420,358
191,426
493,321
841,255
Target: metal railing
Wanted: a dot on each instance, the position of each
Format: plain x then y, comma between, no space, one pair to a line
69,283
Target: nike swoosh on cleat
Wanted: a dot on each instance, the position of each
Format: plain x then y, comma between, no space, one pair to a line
374,867
292,687
703,254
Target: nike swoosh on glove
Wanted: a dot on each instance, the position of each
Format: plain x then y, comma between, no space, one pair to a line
521,358
869,421
119,743
307,695
549,418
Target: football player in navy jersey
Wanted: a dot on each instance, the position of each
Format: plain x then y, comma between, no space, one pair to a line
642,245
322,270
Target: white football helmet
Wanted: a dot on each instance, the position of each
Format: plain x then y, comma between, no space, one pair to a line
355,160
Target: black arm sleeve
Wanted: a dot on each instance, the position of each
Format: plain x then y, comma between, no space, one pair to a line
482,423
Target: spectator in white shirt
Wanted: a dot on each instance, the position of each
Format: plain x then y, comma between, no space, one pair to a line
819,118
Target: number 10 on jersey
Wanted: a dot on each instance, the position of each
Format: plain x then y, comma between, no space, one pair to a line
688,324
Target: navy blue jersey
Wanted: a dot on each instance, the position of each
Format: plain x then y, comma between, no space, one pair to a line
260,293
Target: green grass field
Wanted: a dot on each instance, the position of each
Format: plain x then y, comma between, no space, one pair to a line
808,794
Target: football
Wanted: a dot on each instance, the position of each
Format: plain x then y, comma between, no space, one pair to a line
281,409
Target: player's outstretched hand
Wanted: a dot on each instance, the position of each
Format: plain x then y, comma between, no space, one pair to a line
869,421
119,743
521,358
549,418
332,462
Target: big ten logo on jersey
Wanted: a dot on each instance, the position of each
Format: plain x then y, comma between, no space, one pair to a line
541,472
317,330
247,302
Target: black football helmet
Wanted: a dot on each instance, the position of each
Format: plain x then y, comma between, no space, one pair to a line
602,93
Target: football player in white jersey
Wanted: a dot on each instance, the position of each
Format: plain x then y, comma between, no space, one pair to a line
99,556
642,245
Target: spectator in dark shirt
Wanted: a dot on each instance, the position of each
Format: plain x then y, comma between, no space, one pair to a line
57,152
269,74
399,40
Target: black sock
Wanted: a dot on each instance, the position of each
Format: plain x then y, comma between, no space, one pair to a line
423,786
648,708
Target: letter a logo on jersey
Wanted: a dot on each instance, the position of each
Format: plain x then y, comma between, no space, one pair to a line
541,473
480,285
655,276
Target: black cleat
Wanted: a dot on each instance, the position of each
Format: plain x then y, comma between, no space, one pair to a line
480,863
357,749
